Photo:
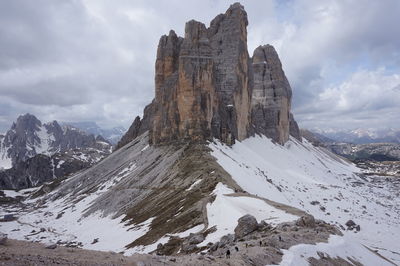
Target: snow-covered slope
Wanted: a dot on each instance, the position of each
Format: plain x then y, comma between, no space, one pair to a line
312,179
147,195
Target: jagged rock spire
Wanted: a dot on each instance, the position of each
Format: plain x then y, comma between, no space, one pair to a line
207,86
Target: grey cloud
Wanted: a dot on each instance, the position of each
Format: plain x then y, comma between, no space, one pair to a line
77,60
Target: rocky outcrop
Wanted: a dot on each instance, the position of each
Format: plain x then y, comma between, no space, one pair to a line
138,127
306,221
207,86
246,225
294,129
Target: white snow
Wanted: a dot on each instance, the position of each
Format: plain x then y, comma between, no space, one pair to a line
192,230
5,161
337,246
145,148
22,192
298,173
225,211
194,184
113,235
60,163
45,141
11,193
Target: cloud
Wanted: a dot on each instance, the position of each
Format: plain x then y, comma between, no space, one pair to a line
366,98
94,59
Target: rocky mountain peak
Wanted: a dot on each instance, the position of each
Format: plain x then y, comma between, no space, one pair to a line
207,86
28,136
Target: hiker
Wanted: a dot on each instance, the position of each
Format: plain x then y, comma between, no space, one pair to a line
228,254
280,238
237,249
260,243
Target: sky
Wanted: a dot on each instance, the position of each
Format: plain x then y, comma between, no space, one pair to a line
93,60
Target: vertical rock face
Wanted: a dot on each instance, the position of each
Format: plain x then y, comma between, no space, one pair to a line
207,86
196,98
166,116
202,84
294,129
228,36
272,95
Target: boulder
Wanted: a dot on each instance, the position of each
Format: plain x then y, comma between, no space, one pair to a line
263,226
246,225
51,246
226,240
3,239
350,223
306,221
189,244
9,218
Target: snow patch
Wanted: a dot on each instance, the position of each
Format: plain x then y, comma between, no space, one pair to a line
225,211
336,247
193,185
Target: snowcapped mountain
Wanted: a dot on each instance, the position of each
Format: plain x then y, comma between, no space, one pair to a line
362,136
28,137
113,135
151,197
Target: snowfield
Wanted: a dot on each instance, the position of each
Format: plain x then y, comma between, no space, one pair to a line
296,174
311,179
336,247
225,210
64,221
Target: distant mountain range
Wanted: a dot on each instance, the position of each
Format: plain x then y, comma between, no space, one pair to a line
113,135
361,136
32,152
379,151
28,136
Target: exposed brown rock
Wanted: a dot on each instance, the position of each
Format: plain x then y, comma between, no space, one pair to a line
207,86
202,86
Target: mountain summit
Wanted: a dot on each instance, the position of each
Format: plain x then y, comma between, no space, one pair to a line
207,86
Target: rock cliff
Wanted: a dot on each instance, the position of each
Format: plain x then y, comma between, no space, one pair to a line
207,86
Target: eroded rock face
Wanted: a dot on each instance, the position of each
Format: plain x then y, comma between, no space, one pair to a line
270,103
294,129
207,86
202,86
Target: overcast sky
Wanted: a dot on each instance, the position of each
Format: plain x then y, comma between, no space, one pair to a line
93,60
